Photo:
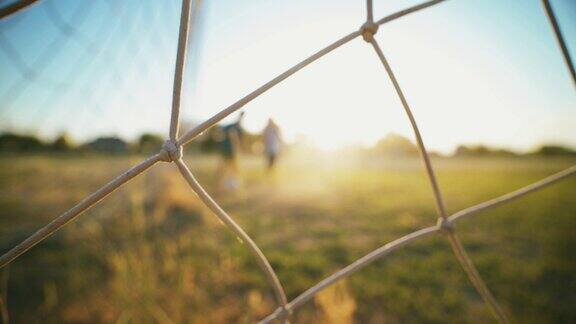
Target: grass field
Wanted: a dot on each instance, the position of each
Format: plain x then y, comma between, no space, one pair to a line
153,253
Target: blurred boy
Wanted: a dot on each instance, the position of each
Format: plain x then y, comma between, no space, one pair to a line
229,147
272,142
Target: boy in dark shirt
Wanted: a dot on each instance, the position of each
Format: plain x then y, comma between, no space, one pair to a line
229,148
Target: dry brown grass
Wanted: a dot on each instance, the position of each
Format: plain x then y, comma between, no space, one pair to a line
151,253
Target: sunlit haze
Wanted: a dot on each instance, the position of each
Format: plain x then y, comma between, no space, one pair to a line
483,71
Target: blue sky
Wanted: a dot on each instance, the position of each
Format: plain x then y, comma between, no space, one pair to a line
474,71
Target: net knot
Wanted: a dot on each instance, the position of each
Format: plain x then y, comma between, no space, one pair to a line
445,224
170,151
368,30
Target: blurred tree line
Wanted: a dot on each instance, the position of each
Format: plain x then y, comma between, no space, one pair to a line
391,145
543,150
145,144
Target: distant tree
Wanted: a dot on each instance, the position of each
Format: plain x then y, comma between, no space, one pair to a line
481,150
20,143
149,143
111,145
555,150
464,150
62,144
396,145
